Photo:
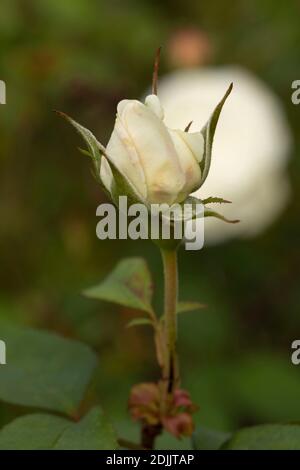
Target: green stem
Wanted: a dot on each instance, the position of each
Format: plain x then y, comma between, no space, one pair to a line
171,372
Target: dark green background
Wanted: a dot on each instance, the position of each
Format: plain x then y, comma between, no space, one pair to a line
83,57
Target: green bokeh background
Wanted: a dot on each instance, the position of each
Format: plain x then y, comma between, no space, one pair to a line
83,57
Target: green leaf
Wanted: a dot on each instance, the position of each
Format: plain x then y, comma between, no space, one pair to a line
46,432
208,132
139,321
93,432
266,437
44,370
129,284
189,306
32,432
208,439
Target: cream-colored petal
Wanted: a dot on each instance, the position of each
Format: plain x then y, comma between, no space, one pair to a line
122,106
164,177
122,151
195,141
189,165
106,174
153,103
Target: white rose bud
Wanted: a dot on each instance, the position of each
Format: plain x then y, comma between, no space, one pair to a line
147,161
162,164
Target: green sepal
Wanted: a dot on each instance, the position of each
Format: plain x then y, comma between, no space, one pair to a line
208,132
215,200
207,211
210,213
121,186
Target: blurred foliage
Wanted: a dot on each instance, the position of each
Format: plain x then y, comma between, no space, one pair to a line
82,57
48,432
45,370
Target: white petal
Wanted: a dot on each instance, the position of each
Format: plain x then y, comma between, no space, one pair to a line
154,104
164,177
122,151
121,106
189,165
195,141
106,174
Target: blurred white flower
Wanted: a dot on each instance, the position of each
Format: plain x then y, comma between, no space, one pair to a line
251,145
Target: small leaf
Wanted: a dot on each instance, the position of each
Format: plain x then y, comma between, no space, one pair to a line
189,306
44,370
129,284
210,213
266,437
93,432
139,321
46,432
208,439
208,133
32,432
215,200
